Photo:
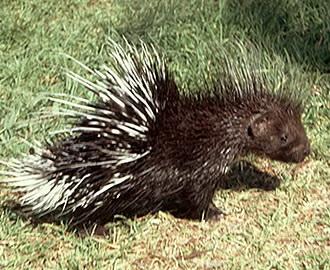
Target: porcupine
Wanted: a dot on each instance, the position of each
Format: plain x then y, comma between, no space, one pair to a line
144,147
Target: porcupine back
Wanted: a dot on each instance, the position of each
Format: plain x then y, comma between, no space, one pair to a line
142,147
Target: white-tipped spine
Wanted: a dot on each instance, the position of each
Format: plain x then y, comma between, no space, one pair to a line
129,84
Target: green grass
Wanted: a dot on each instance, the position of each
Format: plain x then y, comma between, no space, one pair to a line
283,228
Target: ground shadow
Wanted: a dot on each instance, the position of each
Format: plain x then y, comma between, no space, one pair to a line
300,30
244,175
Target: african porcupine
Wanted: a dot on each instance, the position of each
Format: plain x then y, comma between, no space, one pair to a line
143,147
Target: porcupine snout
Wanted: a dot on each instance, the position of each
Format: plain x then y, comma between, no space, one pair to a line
300,152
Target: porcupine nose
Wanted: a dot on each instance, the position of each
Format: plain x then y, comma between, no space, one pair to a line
299,153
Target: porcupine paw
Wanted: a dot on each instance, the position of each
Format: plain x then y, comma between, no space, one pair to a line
213,213
96,230
101,231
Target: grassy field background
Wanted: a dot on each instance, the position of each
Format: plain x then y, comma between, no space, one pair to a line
287,227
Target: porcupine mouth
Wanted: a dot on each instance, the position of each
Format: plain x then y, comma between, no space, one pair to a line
296,155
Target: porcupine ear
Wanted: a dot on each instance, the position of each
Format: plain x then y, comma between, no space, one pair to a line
259,125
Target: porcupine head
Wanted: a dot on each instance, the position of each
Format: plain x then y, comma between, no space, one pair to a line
278,133
269,122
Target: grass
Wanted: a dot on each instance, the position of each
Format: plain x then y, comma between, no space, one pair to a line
287,227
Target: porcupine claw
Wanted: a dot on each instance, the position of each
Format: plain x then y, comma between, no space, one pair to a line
213,213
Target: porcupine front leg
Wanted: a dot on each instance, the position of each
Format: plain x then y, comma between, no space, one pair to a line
206,210
213,212
197,204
